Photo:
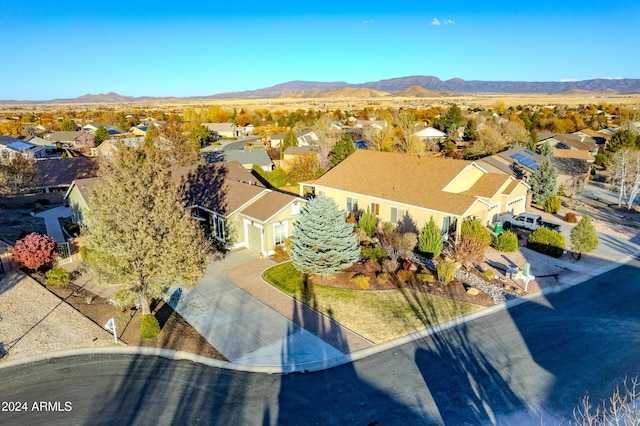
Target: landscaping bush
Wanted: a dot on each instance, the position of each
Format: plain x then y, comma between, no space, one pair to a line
552,205
390,265
489,273
546,241
474,229
34,250
404,275
383,277
571,218
361,280
376,253
150,327
430,240
58,277
506,242
446,270
279,253
368,222
72,229
425,276
469,251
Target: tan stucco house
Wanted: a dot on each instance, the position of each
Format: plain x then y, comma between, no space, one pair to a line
231,204
400,186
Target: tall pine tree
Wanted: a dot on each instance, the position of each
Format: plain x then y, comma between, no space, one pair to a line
323,242
543,182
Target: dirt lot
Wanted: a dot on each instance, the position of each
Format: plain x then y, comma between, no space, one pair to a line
176,333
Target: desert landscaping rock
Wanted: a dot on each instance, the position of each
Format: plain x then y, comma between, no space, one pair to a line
35,322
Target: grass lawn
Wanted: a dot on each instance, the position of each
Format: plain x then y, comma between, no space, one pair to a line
376,315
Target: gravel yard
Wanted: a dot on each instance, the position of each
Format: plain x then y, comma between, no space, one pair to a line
34,321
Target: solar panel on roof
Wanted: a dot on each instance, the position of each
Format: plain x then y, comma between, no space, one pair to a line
525,161
528,151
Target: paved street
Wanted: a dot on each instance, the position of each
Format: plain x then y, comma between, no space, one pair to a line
529,364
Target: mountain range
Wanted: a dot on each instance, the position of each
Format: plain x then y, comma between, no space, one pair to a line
413,86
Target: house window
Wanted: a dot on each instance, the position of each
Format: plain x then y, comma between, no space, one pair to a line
295,208
352,204
279,232
375,208
396,215
218,227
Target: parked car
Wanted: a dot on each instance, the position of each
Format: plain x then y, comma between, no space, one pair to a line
529,221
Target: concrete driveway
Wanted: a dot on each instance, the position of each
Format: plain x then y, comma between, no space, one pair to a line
244,329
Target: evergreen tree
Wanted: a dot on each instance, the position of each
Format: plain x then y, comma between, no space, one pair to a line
430,240
289,140
139,232
546,150
583,237
368,222
68,126
543,182
452,119
342,149
622,139
323,242
470,131
101,134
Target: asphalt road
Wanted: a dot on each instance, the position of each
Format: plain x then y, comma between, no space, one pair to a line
526,365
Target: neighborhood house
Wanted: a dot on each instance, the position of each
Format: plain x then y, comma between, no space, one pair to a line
401,188
230,203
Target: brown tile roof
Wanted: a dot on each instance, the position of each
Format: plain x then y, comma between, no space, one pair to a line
595,134
576,143
488,185
268,205
408,179
86,186
509,189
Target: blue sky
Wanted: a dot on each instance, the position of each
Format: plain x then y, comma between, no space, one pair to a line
193,48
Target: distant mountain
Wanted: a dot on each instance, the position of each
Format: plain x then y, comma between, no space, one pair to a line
441,87
413,86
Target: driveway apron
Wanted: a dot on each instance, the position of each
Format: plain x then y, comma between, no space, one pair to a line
243,329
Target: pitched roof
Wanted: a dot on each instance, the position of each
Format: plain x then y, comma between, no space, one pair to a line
488,185
267,206
576,142
63,171
69,136
248,156
220,187
407,179
573,153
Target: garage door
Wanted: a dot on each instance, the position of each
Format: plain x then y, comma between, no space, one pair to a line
254,238
516,206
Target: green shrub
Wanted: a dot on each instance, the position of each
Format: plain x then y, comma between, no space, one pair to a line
150,327
368,223
552,205
72,228
361,280
476,230
425,277
506,242
58,277
571,218
446,270
546,241
404,275
125,299
382,277
376,253
430,240
489,273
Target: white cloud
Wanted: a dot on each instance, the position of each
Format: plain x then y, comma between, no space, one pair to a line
448,22
568,80
368,22
435,21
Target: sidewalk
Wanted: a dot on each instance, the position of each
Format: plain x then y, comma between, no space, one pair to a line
54,230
